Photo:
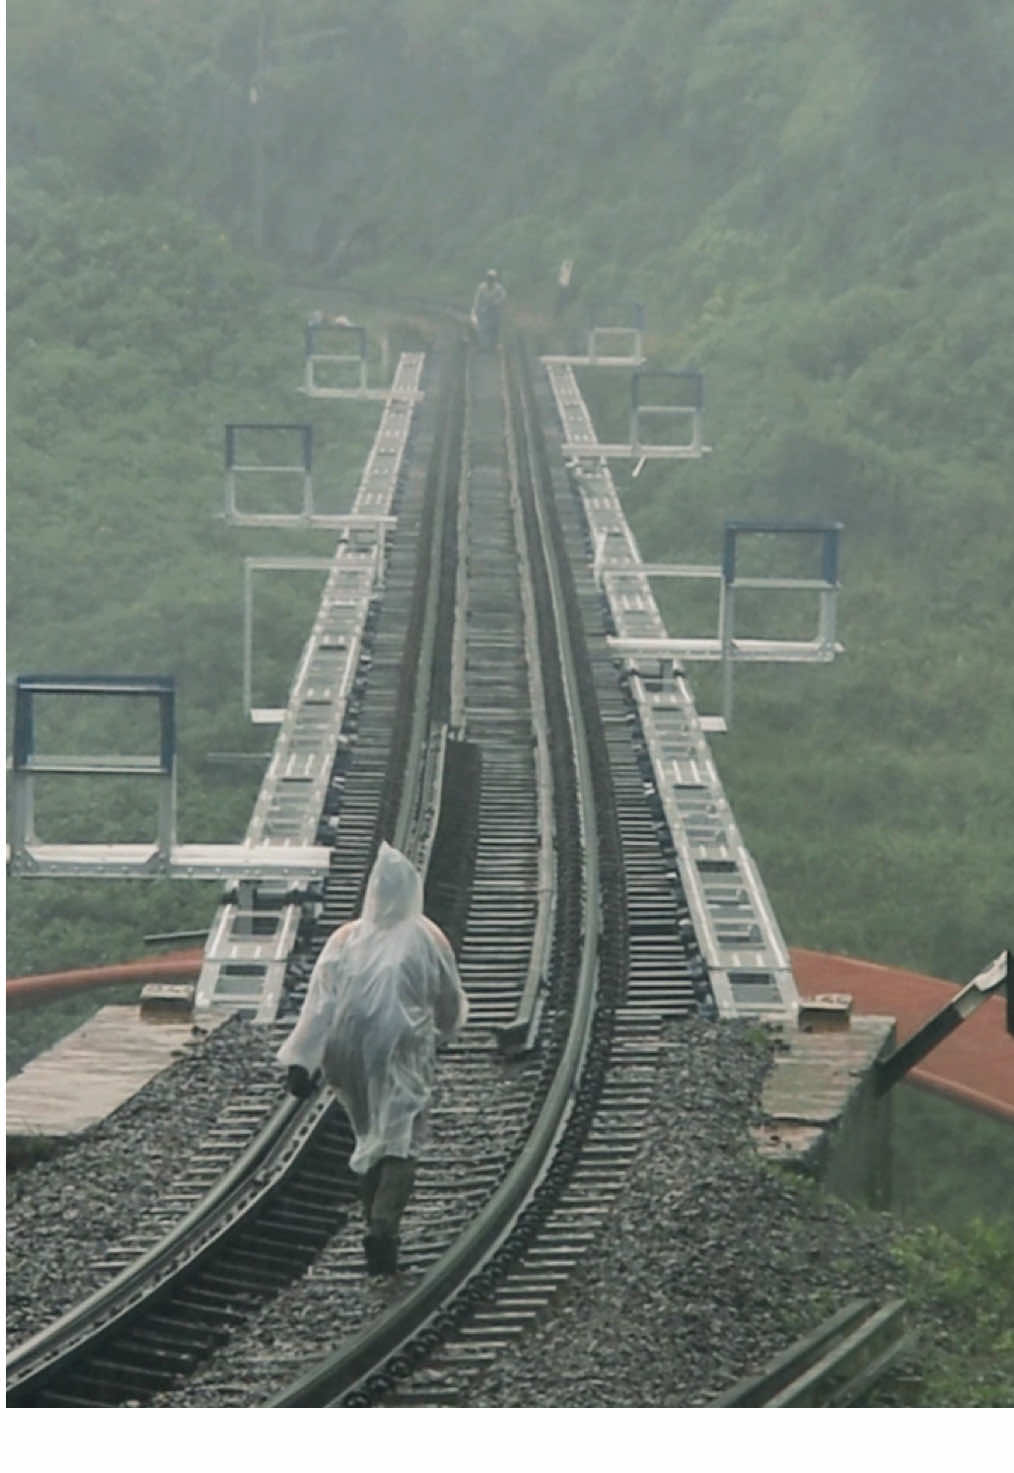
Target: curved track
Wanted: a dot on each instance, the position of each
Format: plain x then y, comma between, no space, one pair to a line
553,819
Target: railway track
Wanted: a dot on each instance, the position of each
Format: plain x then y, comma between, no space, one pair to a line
92,1356
567,995
834,1366
432,1349
504,1268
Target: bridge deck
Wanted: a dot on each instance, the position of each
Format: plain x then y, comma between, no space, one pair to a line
91,1072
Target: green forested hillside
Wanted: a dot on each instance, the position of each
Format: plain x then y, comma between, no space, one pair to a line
135,332
814,203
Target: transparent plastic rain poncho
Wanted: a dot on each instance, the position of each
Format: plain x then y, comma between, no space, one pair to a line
383,995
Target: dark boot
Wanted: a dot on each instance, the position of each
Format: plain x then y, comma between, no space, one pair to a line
381,1254
368,1190
390,1183
390,1198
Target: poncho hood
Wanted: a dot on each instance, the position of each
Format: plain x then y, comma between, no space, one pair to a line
394,891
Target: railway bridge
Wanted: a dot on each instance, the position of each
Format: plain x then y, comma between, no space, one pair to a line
488,683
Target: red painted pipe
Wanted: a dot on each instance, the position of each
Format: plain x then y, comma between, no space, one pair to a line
974,1067
179,966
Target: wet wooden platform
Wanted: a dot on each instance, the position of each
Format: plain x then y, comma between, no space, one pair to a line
91,1072
814,1083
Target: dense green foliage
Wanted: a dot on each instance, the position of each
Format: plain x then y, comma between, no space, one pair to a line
816,205
135,333
950,1164
960,1293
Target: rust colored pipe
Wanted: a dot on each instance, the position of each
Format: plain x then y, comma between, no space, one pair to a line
178,966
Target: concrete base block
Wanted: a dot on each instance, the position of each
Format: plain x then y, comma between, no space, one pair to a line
167,1002
821,1112
828,1012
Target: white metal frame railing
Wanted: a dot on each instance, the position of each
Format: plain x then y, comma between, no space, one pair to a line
738,934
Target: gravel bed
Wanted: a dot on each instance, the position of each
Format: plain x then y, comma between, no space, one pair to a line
65,1212
478,1115
712,1262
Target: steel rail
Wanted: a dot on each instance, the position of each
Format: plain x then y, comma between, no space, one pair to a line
260,1169
456,714
378,1352
413,721
424,767
520,1034
835,1365
256,1172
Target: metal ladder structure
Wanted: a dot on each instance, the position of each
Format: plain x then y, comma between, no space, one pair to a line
614,337
255,926
740,941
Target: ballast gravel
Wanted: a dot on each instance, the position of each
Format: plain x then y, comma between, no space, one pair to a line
479,1110
66,1213
710,1262
713,1261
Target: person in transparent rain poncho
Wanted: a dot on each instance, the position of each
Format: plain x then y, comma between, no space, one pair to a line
487,309
383,996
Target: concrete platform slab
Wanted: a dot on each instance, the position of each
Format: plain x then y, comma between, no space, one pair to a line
88,1074
821,1114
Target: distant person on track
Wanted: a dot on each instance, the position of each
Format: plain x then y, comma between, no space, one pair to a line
487,310
317,318
565,290
383,996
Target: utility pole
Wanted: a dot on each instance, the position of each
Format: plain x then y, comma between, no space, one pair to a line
258,131
270,44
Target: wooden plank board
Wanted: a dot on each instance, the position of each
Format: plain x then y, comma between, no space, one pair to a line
87,1075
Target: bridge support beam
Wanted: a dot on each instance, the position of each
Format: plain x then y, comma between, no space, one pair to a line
993,979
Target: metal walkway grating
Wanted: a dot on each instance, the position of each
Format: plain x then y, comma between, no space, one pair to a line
739,938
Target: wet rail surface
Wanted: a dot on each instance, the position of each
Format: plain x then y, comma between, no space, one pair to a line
57,1366
645,977
502,698
835,1365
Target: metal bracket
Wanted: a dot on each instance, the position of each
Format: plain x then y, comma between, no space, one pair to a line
686,406
28,856
612,321
301,468
725,647
347,333
996,978
28,764
669,410
614,337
